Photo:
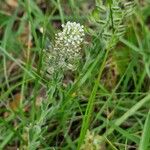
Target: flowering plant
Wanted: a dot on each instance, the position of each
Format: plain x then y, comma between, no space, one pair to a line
66,51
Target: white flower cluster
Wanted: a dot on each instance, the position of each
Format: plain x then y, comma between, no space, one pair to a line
66,54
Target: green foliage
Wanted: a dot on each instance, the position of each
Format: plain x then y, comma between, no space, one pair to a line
145,140
73,108
111,18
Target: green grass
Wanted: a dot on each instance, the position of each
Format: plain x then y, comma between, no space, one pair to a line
108,94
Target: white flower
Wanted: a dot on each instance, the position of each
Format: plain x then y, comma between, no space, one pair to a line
65,53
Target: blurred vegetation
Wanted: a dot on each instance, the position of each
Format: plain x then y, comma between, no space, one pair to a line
103,105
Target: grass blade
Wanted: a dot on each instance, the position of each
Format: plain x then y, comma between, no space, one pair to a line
145,139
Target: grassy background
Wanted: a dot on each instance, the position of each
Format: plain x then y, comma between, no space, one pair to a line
108,93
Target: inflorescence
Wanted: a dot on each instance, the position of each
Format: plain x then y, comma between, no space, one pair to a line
66,51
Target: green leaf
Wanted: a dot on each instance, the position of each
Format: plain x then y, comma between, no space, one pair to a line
96,14
145,139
